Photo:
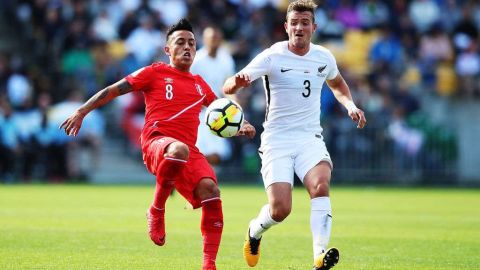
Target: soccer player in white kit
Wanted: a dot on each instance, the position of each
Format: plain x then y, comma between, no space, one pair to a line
293,72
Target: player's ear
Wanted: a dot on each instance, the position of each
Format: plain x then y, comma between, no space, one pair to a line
166,49
285,24
314,27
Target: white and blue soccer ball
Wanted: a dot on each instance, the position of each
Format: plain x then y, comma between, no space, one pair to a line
224,117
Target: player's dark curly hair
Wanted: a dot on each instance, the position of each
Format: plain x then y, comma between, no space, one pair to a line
183,24
301,6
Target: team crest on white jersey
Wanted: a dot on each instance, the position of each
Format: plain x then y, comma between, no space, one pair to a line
168,80
320,70
199,89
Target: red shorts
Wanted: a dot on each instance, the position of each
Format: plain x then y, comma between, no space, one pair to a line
196,168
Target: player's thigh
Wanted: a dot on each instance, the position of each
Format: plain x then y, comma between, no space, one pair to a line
310,155
153,153
277,167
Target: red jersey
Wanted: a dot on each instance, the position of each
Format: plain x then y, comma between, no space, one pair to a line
173,101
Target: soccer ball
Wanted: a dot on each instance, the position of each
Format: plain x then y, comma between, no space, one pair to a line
224,117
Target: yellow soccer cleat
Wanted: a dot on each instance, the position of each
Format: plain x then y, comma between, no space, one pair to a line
251,249
327,260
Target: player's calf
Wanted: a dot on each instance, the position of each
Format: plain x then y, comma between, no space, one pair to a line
211,227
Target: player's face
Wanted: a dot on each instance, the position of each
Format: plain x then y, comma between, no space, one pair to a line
300,27
181,49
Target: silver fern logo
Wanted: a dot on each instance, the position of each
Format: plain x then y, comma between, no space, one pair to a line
320,70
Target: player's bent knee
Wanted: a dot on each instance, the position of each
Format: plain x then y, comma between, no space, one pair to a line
207,189
319,189
177,150
280,212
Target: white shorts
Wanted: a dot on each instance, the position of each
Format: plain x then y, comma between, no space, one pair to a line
280,163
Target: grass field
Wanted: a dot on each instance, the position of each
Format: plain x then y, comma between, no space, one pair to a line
104,227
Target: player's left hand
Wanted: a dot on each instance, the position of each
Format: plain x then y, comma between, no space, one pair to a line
247,129
357,116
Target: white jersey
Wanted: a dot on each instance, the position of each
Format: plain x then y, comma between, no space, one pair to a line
214,70
293,86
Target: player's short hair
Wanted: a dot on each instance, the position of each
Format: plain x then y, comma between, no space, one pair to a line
301,6
183,24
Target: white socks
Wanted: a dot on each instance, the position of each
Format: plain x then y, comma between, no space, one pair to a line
321,224
262,223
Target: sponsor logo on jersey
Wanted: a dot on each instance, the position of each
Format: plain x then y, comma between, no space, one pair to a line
168,80
199,89
320,70
285,69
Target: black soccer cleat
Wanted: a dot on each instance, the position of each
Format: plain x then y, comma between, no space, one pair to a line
327,260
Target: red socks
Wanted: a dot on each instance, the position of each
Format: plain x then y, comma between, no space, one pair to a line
212,227
168,169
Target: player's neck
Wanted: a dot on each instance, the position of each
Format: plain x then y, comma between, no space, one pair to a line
298,50
180,68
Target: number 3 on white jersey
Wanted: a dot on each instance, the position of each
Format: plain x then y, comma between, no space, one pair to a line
169,91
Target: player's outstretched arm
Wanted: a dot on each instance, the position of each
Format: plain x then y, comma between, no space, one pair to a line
342,93
73,123
247,129
236,82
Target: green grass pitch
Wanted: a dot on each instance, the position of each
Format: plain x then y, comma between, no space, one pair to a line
104,227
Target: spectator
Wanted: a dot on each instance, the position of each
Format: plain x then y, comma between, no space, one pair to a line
407,141
467,66
145,41
215,64
347,15
9,145
424,13
19,89
104,28
64,166
372,13
435,46
386,53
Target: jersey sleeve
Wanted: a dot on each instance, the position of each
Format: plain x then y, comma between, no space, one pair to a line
259,66
334,70
209,94
140,79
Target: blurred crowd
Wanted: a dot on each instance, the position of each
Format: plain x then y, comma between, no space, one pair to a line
394,55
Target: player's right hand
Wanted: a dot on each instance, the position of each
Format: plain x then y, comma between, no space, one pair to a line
247,130
242,80
357,116
73,124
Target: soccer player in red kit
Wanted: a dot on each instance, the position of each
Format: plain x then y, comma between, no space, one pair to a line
173,98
